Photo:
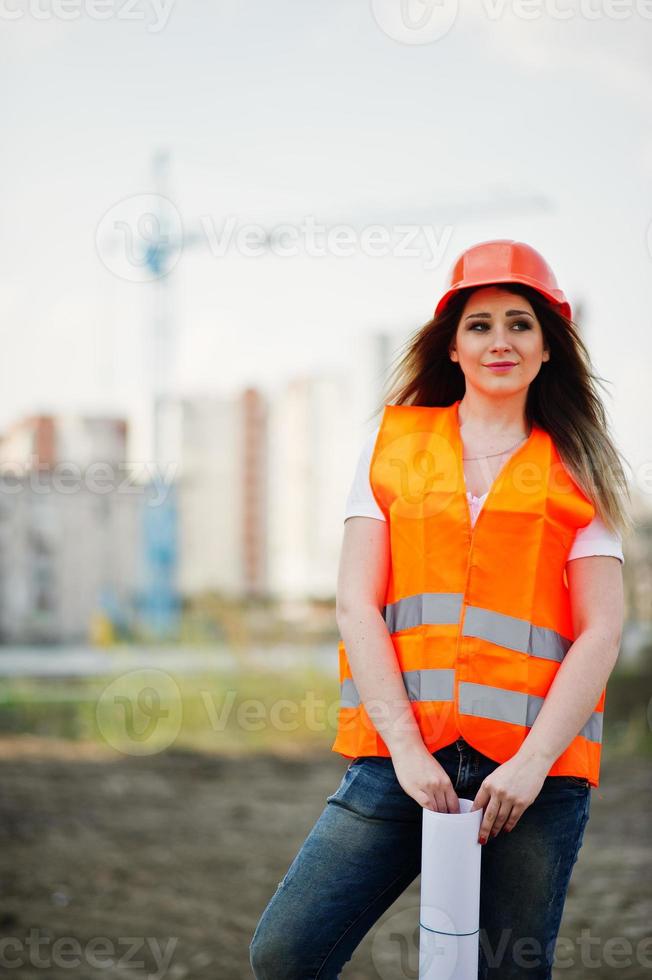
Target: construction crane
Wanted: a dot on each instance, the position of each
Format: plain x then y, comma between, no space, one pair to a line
164,242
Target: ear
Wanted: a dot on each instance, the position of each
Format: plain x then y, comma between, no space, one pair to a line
453,354
546,354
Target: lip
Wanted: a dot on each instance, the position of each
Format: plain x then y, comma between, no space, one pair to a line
501,366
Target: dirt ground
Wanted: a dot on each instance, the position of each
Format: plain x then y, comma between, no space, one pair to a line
160,866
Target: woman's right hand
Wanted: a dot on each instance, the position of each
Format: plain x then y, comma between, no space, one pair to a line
425,780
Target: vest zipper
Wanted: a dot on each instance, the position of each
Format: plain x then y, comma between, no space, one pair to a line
456,693
471,527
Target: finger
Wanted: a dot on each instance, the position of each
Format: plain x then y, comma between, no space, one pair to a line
501,818
513,818
426,801
490,814
440,797
430,801
452,800
482,797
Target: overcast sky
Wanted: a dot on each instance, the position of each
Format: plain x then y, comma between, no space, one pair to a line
277,111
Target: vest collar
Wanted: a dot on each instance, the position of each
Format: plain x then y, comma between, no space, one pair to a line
452,421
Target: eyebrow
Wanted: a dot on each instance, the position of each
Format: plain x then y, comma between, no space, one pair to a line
509,313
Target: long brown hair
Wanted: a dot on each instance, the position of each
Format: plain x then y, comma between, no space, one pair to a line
562,399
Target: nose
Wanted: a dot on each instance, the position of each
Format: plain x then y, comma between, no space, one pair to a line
501,343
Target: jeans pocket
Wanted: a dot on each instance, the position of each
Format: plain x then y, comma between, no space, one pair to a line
370,788
576,780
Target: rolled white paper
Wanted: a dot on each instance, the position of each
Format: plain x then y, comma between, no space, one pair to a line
450,894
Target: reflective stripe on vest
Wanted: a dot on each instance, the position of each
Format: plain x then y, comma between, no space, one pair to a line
444,608
515,707
433,684
479,700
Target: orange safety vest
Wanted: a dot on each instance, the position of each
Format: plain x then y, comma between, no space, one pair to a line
479,616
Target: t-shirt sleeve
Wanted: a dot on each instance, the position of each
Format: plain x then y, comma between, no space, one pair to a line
361,501
596,539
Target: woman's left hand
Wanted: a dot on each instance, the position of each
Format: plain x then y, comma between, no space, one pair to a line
506,793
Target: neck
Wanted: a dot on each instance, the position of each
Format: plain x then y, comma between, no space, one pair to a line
491,415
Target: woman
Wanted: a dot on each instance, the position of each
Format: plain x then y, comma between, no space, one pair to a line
480,605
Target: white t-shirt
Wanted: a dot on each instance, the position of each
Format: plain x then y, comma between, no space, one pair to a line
594,539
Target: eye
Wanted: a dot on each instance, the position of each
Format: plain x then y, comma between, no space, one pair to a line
516,323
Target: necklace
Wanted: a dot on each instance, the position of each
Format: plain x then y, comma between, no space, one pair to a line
502,451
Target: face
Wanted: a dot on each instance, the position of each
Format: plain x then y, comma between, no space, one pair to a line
497,326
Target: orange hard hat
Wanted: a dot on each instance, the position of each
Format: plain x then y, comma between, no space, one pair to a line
503,260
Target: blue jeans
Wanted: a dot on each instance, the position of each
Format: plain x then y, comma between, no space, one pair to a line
365,849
